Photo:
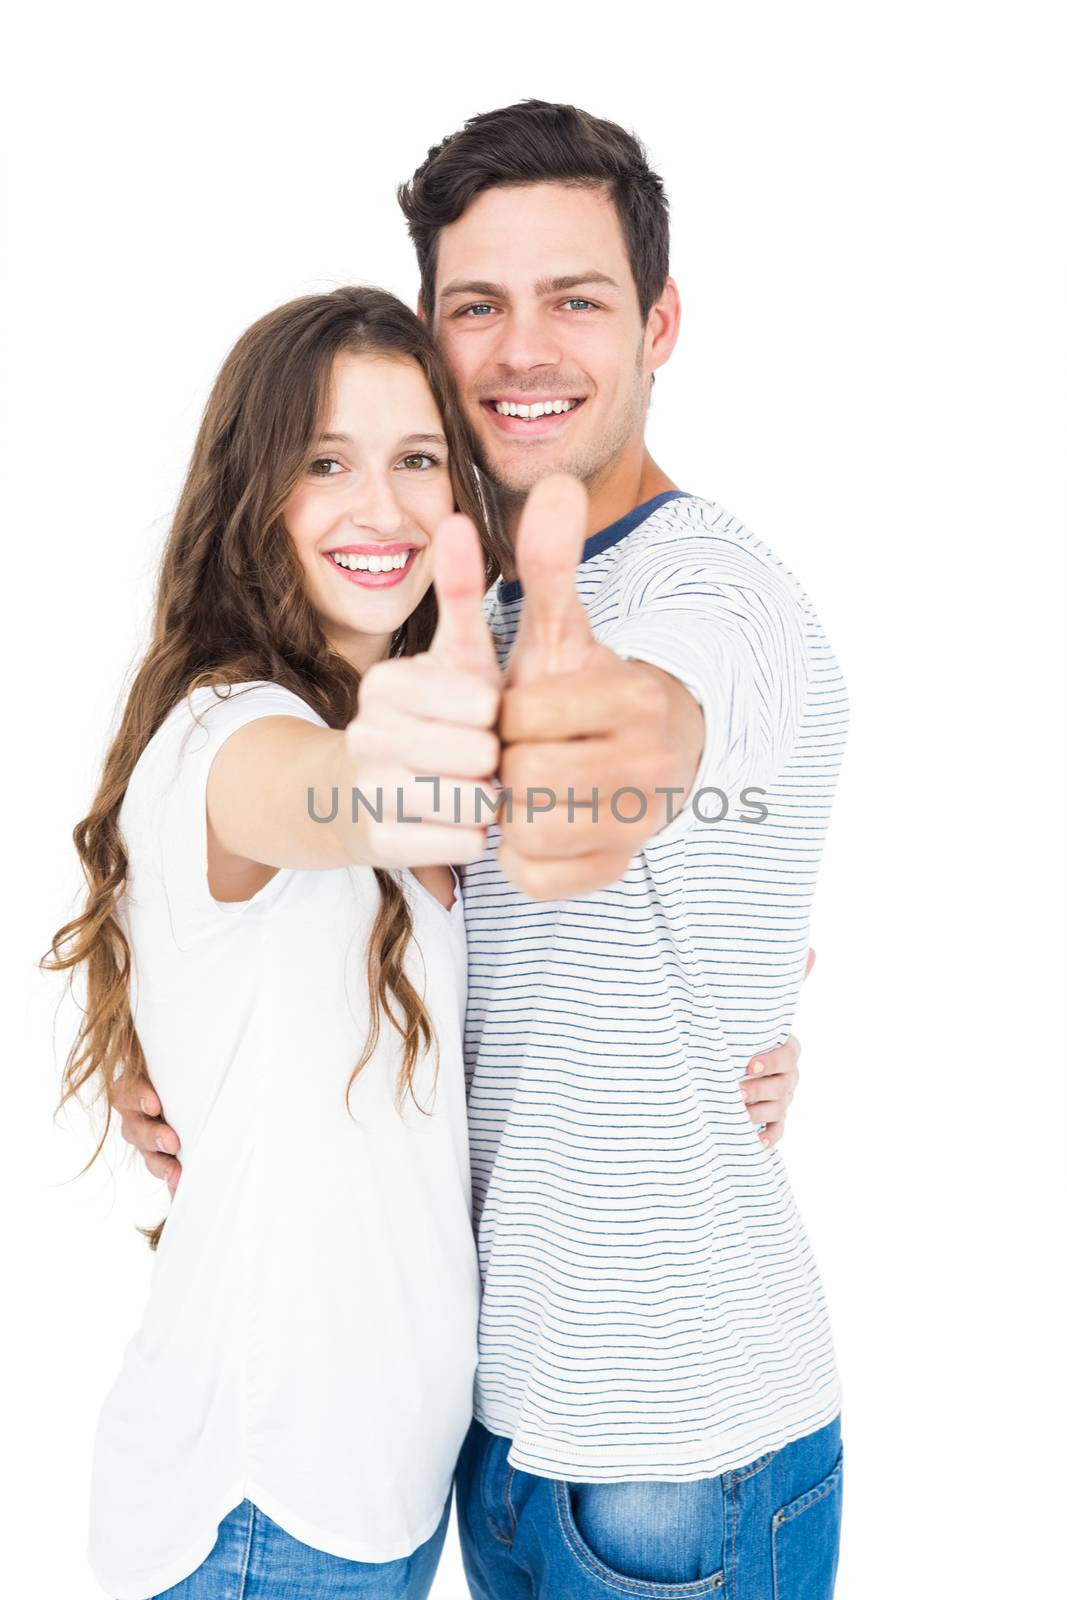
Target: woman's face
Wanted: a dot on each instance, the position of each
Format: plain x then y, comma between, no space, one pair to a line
363,518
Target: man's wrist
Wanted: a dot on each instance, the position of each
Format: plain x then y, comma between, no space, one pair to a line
685,731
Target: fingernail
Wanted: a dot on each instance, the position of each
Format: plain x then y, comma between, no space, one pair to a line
744,1093
764,1141
161,1147
757,1066
143,1105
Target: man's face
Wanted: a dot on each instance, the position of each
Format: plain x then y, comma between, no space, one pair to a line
536,308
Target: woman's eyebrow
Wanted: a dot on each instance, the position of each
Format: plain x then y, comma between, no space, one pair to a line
425,438
409,438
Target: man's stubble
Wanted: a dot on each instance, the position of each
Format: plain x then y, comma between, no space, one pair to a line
592,465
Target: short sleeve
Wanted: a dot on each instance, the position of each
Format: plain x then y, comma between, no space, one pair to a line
164,814
731,629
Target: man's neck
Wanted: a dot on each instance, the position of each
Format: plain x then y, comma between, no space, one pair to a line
627,486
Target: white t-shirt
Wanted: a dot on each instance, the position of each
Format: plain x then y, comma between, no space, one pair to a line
651,1308
309,1341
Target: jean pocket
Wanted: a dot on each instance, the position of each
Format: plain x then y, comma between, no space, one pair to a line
653,1539
805,1535
495,1480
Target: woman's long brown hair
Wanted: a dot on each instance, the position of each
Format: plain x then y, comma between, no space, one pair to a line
231,606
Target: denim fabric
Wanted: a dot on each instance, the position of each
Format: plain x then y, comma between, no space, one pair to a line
766,1531
254,1559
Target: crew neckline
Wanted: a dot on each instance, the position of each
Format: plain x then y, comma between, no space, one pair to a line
455,909
598,542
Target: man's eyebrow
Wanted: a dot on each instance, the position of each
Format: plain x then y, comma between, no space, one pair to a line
409,438
543,286
574,280
494,291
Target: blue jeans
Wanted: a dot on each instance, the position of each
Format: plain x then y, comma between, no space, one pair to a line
254,1559
765,1531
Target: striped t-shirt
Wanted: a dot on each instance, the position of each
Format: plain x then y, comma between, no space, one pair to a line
651,1308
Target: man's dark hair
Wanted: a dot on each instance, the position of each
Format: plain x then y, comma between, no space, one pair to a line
535,142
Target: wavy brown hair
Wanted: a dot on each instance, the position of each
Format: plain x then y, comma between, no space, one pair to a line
231,606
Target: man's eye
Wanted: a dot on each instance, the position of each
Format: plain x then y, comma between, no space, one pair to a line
315,470
420,456
479,308
585,304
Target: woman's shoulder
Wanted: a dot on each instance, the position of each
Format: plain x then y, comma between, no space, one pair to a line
217,708
192,731
223,704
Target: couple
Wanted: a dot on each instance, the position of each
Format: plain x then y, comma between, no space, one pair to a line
656,1405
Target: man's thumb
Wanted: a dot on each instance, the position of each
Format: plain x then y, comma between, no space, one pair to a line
548,552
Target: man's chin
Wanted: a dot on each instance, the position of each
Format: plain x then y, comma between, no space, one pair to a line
517,476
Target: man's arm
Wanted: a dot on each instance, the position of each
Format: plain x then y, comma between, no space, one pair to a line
768,1087
697,683
618,745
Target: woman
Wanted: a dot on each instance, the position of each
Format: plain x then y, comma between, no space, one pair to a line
290,1411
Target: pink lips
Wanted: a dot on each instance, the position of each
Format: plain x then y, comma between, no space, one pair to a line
373,580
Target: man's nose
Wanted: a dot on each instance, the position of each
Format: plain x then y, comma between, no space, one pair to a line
526,341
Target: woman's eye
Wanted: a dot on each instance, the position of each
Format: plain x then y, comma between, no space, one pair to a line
320,468
419,461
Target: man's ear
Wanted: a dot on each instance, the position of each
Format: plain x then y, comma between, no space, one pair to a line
420,310
661,329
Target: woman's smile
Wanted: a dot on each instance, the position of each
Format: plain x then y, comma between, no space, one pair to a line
374,566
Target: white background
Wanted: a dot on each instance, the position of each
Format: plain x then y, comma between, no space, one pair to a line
869,240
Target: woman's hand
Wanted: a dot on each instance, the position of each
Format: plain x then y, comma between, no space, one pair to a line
768,1088
424,743
770,1083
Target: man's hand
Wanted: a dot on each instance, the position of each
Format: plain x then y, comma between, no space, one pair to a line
580,724
140,1114
424,739
770,1082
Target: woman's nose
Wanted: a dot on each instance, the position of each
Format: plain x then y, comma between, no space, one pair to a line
374,505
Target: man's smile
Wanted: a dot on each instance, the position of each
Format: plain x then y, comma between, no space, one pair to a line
531,416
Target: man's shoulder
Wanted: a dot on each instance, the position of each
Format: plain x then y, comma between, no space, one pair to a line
689,533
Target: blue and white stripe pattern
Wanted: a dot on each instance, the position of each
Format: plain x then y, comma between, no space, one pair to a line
651,1308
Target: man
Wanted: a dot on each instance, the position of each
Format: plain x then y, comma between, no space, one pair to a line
656,1400
657,1403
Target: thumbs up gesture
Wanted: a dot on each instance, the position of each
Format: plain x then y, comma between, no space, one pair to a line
424,740
554,633
592,743
462,642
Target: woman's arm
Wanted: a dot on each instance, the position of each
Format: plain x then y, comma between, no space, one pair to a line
399,786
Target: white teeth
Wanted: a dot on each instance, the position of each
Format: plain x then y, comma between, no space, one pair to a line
540,408
353,563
